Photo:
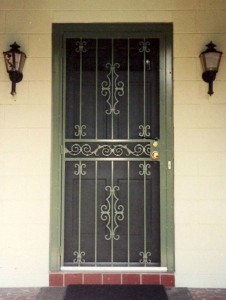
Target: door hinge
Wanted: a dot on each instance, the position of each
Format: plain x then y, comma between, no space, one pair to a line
169,164
63,150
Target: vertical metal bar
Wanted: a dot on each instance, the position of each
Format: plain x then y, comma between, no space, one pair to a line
144,86
128,163
95,247
128,212
79,214
112,90
112,212
145,200
80,90
96,126
145,208
80,182
96,163
128,86
63,209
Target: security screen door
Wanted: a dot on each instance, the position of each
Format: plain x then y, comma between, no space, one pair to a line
112,148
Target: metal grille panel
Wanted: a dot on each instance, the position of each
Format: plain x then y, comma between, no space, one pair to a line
111,185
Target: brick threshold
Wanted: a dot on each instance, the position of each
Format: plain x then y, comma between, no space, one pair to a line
63,279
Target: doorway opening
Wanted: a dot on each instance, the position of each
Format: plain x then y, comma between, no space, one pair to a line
112,159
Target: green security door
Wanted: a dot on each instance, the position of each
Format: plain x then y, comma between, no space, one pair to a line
115,142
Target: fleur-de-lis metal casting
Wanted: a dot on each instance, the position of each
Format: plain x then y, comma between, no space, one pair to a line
112,213
112,88
79,257
80,168
145,169
144,46
145,257
81,46
144,131
80,131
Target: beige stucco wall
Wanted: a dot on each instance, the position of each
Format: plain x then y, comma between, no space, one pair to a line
200,134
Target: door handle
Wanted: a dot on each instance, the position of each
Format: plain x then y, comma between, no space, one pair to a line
155,155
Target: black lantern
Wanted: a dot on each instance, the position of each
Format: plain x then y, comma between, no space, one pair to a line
14,61
210,59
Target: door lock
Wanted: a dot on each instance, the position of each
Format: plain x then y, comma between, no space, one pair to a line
155,155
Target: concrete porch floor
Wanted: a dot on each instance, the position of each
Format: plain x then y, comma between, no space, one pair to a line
58,294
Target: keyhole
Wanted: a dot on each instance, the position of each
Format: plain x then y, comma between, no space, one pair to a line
148,64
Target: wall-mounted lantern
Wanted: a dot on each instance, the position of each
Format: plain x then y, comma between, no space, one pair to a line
210,59
14,61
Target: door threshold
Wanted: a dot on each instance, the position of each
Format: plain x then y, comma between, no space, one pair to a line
115,269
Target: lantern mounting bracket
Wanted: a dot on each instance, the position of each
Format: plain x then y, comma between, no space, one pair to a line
209,77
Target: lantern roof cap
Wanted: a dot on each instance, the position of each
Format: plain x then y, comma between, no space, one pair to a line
210,48
15,47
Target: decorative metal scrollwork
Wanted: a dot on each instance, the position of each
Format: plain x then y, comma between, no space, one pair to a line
145,257
80,131
110,150
144,131
144,46
112,213
145,169
112,89
80,170
79,257
81,46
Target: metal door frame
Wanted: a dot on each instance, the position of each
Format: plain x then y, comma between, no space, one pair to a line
164,33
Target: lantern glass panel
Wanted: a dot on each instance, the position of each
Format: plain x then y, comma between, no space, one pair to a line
21,62
203,61
212,60
14,61
8,57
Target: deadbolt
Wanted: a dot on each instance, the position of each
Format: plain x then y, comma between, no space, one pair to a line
155,155
155,144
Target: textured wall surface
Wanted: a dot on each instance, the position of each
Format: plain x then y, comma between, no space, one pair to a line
200,134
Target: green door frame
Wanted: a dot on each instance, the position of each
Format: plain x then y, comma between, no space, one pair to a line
163,31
